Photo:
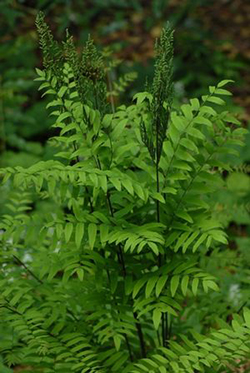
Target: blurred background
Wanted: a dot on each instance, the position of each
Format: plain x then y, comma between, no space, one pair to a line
212,42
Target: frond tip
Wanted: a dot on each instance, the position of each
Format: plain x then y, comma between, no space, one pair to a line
52,54
162,92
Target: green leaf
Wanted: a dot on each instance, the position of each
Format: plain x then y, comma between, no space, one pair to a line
116,182
80,273
119,363
104,233
187,111
195,103
181,165
178,123
195,133
203,120
172,237
195,284
200,241
169,190
139,284
212,285
156,318
142,96
103,183
128,185
162,369
150,285
223,92
92,230
224,82
181,240
117,342
188,144
246,313
174,284
160,285
158,197
68,231
216,100
188,242
128,285
40,72
184,215
139,191
79,234
63,116
184,284
154,247
62,91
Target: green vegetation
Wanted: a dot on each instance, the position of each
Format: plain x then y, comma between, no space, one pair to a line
114,250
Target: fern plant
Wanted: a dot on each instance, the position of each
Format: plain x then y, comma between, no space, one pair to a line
102,246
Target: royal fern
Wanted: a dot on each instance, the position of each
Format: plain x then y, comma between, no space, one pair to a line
102,246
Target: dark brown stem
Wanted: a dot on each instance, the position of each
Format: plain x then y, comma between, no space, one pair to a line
40,281
140,334
158,216
122,263
163,329
27,269
126,337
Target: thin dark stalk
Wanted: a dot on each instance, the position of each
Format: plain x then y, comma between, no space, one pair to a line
40,281
163,329
120,254
86,188
124,272
167,331
92,210
27,269
126,337
163,324
122,263
108,274
8,307
159,338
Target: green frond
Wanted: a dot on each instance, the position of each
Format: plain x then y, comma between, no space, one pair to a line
52,53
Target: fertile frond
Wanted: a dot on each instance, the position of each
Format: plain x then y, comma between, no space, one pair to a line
162,95
52,53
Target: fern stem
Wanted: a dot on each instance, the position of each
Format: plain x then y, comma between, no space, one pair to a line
111,211
167,331
159,338
27,269
119,255
163,323
40,281
124,272
140,334
126,337
163,329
